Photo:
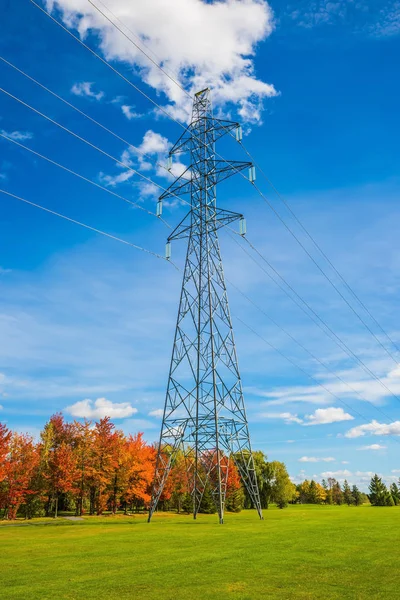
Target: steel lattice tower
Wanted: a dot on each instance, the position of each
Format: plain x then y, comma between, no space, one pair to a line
204,414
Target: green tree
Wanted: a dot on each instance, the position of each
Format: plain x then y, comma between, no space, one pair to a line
357,495
395,492
347,495
378,495
283,490
207,504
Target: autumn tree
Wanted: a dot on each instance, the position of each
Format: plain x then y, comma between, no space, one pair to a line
234,489
83,447
104,462
140,473
18,467
337,494
179,480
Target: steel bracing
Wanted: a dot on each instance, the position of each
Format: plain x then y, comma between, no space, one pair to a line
204,414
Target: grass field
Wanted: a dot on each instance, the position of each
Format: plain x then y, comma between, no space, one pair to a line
304,552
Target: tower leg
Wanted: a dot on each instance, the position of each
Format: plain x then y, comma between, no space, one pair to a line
165,458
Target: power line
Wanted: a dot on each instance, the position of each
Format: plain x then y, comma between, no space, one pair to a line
323,254
276,213
325,274
163,110
335,337
310,376
259,191
109,235
118,137
256,187
323,364
101,187
106,63
125,165
136,45
143,44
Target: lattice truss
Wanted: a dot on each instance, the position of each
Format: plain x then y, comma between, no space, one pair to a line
204,414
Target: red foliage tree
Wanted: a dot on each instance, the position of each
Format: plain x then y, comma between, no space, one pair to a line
19,465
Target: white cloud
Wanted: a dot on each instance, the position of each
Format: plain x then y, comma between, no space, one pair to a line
113,180
374,428
156,413
4,271
323,416
388,23
286,416
101,408
354,383
85,88
395,470
204,44
18,136
314,459
129,112
149,155
345,462
340,473
373,447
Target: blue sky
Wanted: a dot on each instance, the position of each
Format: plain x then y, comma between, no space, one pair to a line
84,318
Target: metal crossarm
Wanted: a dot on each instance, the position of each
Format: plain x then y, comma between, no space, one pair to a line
204,415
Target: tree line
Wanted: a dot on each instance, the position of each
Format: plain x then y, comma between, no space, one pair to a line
92,468
332,492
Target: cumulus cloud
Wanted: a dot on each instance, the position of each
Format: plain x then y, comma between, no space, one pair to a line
130,112
85,88
323,416
373,447
204,44
18,136
340,473
314,459
374,428
156,413
149,155
101,408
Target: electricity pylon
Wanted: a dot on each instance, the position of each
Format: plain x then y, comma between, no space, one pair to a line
204,414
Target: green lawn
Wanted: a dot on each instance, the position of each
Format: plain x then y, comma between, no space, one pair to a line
317,552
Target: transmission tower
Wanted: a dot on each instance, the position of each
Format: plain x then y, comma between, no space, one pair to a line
204,415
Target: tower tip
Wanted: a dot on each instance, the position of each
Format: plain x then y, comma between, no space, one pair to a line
202,92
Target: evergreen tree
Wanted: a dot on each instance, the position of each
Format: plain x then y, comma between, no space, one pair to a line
347,495
313,493
378,492
357,496
395,492
207,505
